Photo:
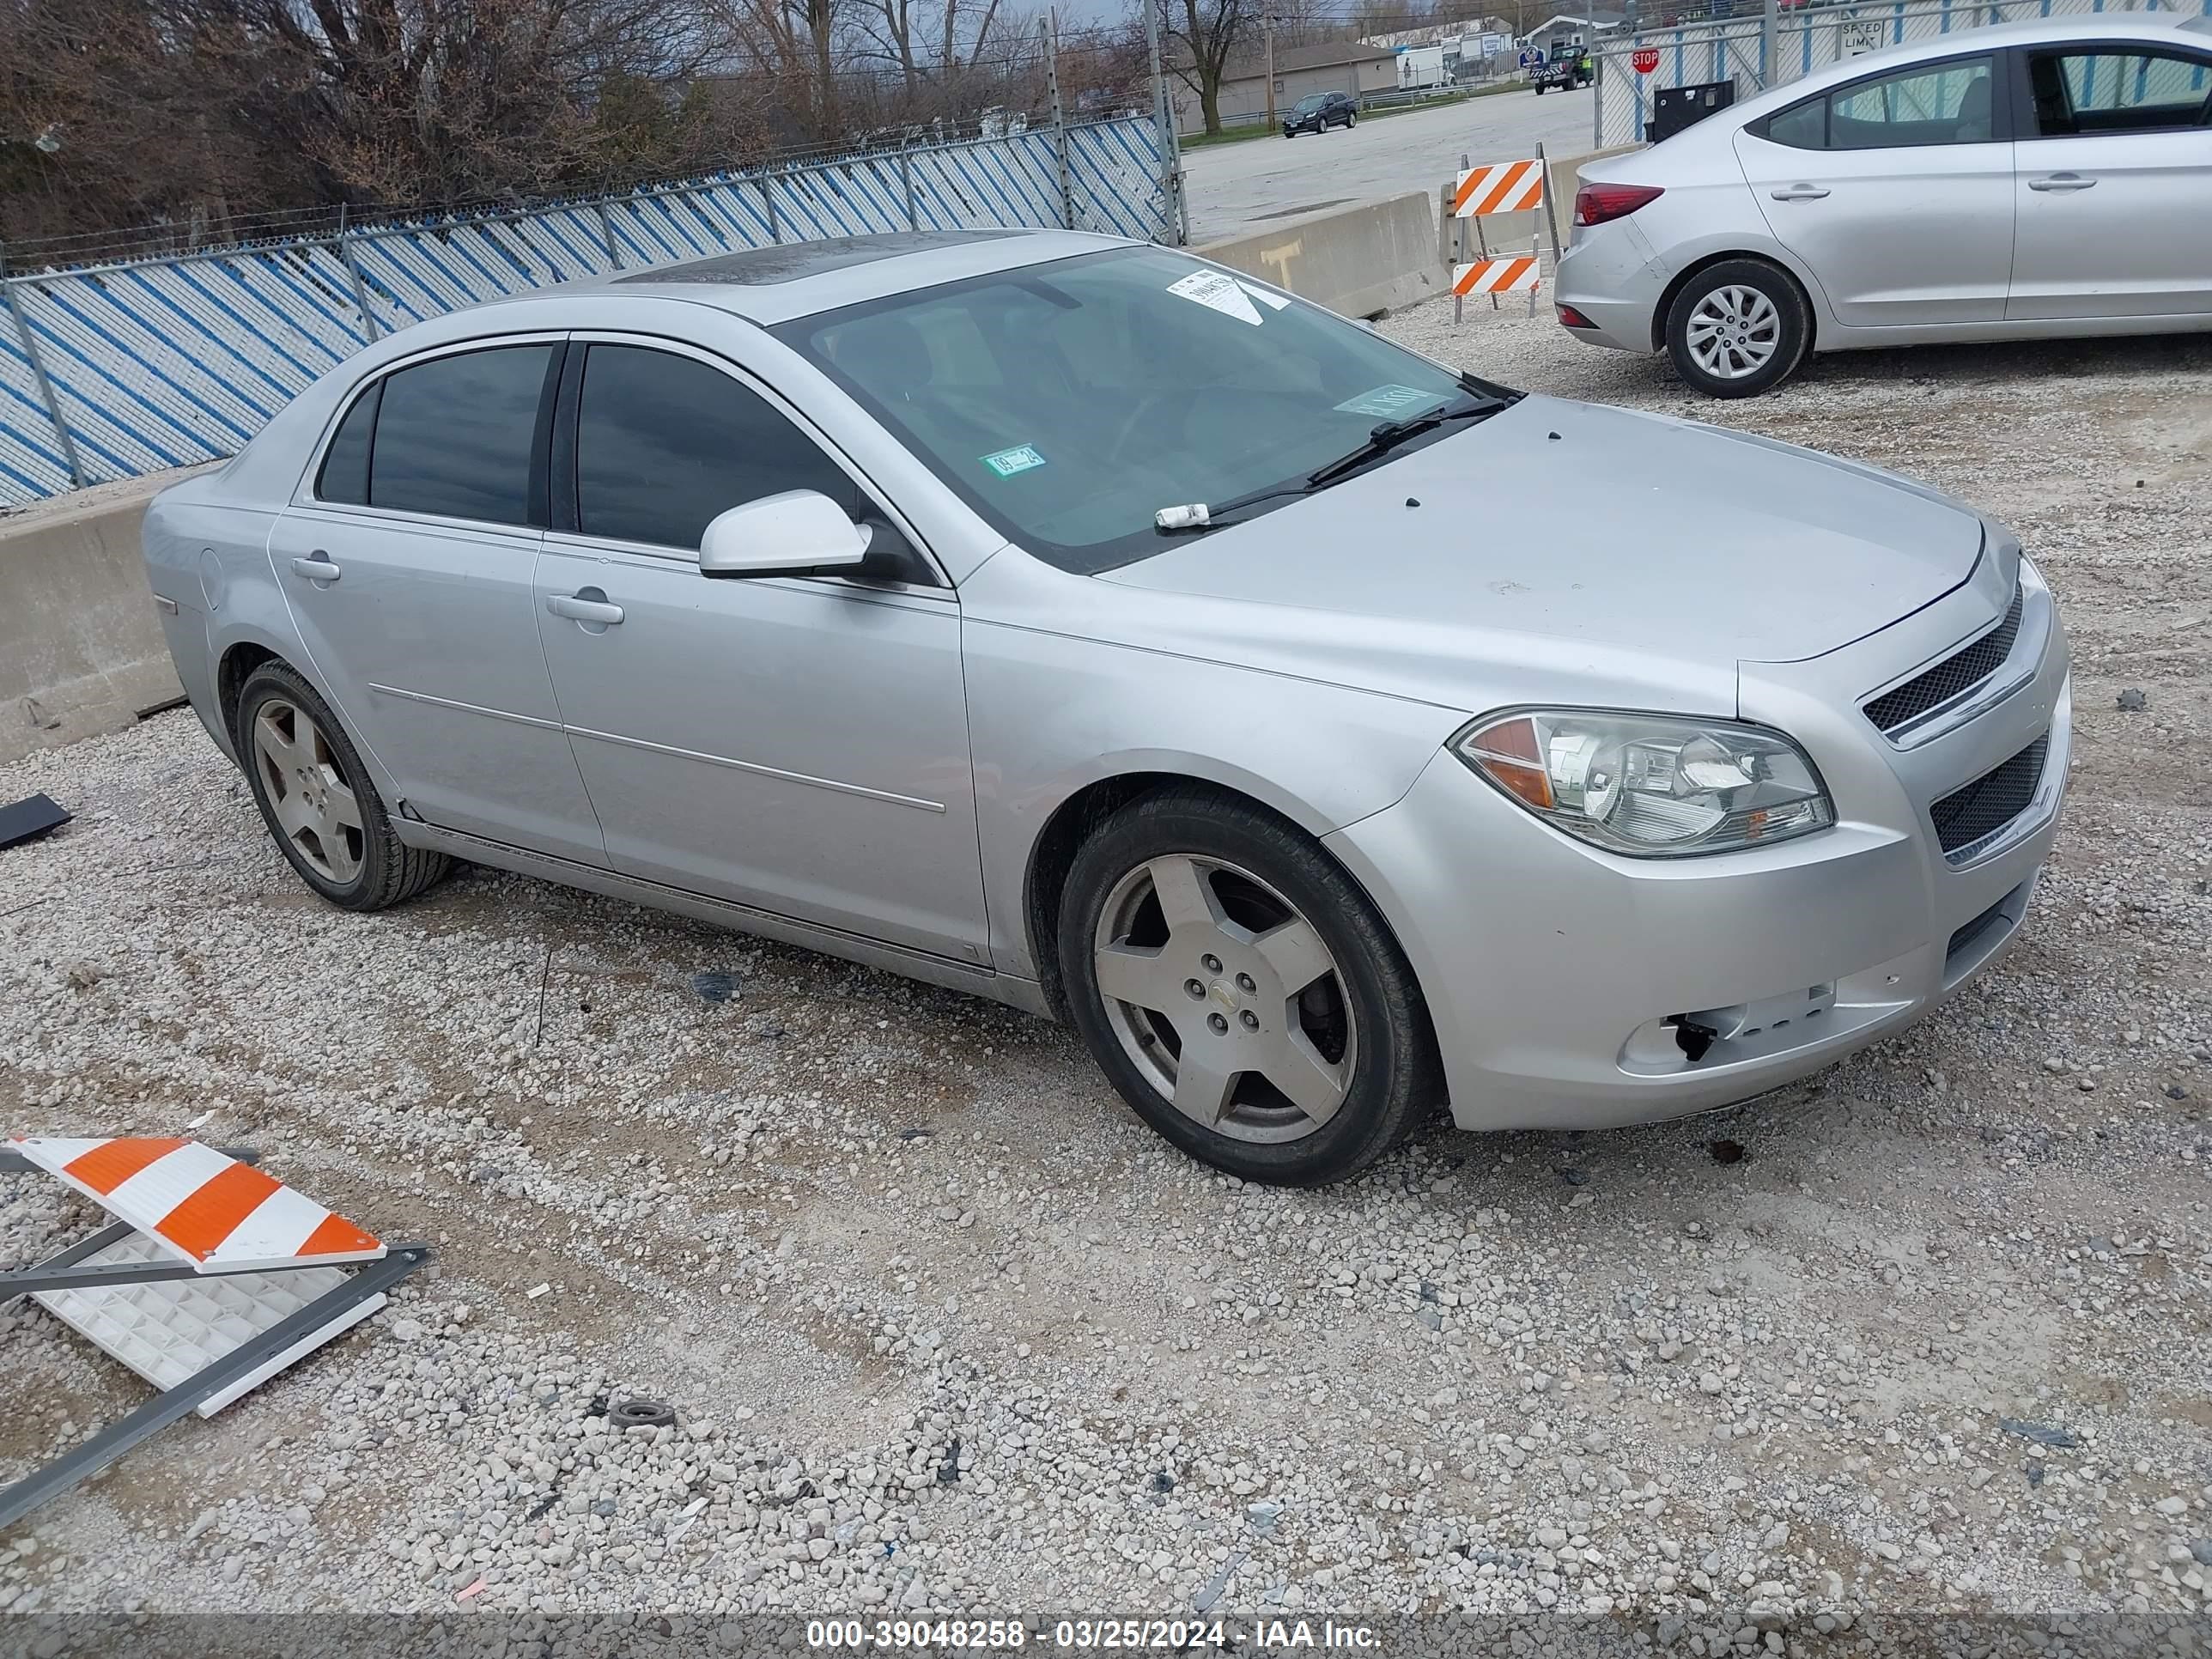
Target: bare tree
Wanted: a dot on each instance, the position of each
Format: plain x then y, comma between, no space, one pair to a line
1198,39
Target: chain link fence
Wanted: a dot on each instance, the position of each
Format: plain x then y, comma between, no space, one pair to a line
134,365
1804,38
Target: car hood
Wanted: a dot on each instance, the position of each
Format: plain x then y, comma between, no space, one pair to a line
1601,527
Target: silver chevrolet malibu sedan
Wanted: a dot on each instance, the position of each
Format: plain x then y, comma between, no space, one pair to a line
1076,623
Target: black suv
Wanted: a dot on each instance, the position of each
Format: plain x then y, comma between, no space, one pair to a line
1317,111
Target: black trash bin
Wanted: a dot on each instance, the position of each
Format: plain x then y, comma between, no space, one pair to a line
1673,108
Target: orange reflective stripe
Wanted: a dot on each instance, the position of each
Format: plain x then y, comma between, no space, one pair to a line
336,1236
108,1166
1506,186
209,1215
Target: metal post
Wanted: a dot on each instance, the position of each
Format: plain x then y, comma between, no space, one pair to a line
1267,29
1766,21
43,386
353,274
1048,33
1163,115
906,184
1599,59
1550,224
767,197
607,235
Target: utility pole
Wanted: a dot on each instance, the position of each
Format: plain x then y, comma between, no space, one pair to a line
1049,30
1267,30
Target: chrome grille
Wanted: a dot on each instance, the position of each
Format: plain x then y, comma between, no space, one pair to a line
1960,673
1994,800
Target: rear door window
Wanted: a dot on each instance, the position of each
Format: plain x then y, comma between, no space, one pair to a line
455,436
1952,102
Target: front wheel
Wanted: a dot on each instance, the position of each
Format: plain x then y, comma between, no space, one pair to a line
1352,120
1241,992
1737,329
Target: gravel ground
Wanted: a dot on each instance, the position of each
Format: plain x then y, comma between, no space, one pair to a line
949,1330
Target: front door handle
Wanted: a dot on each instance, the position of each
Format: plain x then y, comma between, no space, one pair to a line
1799,193
588,606
317,568
2062,181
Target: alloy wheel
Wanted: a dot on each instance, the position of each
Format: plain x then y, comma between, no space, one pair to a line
314,806
1225,998
1734,331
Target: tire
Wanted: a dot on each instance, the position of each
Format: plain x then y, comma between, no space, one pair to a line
1763,304
317,799
1299,979
1352,120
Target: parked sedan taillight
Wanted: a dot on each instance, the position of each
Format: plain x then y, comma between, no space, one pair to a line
1596,204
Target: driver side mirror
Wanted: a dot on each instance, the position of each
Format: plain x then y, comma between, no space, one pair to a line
796,533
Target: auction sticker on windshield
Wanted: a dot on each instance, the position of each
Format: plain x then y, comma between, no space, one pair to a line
1020,458
1388,402
1217,291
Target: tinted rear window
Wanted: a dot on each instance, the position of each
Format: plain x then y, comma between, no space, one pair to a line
454,437
344,476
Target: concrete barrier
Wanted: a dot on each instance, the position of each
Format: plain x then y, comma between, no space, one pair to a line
81,646
1362,261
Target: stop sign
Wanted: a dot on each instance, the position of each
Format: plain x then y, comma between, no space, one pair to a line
1646,59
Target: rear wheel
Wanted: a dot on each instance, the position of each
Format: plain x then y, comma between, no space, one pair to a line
1738,328
317,799
1241,992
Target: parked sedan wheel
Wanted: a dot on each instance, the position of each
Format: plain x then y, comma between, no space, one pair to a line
317,799
1737,329
1241,992
1352,120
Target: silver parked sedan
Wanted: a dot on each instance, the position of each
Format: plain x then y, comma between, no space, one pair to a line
2024,182
1076,623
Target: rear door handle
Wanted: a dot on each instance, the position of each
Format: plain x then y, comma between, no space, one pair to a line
317,568
2062,181
1799,193
578,608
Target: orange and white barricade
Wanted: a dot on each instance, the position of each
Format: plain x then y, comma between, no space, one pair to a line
212,1278
1478,193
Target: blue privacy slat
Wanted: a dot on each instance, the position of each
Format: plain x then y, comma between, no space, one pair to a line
160,363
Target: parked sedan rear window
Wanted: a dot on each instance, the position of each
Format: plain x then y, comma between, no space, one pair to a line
344,476
1070,402
454,435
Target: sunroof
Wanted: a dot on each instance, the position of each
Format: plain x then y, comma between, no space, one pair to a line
789,262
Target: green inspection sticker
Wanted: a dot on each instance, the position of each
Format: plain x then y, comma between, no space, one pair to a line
1020,458
1389,401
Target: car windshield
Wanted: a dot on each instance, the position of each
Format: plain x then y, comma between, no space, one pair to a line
1068,402
1310,102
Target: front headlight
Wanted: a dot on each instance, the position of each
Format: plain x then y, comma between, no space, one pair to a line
1653,786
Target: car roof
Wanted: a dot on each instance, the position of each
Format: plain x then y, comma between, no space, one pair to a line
776,283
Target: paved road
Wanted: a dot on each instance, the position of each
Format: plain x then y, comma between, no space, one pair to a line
1234,187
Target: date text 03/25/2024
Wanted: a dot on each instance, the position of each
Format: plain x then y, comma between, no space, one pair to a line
1123,1635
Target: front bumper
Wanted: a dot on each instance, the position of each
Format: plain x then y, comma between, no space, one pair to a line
1552,969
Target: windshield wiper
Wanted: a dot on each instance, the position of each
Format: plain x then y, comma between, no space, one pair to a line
1472,405
1469,406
